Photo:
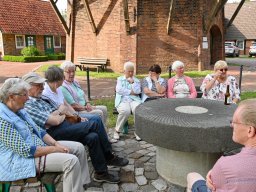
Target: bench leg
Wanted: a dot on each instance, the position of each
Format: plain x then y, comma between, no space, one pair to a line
50,187
5,187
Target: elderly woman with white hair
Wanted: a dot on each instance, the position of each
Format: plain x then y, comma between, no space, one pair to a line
76,97
214,86
25,147
180,86
128,88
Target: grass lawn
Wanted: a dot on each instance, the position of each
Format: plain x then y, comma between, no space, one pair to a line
112,75
109,102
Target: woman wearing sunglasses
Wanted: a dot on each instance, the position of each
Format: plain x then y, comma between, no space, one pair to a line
214,86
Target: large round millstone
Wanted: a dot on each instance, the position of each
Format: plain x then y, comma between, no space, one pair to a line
188,125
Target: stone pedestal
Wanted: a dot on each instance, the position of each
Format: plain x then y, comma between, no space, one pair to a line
175,165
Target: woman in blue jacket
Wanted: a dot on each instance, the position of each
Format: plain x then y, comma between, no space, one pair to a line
25,147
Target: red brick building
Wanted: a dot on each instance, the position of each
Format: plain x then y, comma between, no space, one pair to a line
195,34
30,22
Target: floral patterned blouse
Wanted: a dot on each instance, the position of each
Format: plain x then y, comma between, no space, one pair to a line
218,90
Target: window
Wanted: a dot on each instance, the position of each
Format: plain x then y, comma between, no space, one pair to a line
240,44
20,41
30,40
57,41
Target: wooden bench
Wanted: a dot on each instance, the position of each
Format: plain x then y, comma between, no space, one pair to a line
47,179
94,62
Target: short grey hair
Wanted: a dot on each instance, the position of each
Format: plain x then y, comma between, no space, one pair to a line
248,114
54,74
12,86
177,64
67,64
128,65
220,64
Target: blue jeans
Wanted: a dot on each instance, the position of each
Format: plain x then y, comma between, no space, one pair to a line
90,133
200,186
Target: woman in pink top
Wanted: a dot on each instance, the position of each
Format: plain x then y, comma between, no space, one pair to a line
180,86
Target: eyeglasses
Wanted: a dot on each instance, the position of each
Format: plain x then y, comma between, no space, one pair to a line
222,70
21,94
232,123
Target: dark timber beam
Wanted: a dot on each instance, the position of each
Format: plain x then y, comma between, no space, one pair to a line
235,13
126,16
217,7
169,22
64,24
89,13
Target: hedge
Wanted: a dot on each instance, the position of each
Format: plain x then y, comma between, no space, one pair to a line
25,59
56,57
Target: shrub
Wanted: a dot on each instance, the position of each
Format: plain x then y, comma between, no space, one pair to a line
59,56
30,51
24,59
13,58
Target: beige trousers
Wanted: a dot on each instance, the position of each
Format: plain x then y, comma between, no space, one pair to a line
74,166
124,111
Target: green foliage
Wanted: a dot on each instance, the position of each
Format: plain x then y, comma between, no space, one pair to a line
25,59
248,95
30,51
13,58
35,59
59,56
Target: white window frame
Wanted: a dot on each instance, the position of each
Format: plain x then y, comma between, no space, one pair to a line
59,46
240,40
24,41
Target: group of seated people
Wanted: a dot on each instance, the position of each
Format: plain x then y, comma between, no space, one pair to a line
45,122
130,92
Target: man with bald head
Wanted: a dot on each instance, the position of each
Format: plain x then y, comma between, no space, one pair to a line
234,173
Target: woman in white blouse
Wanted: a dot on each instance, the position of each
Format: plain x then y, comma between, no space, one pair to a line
214,86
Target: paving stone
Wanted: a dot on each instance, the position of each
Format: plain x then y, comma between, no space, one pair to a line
153,148
159,184
147,145
135,155
143,142
143,151
110,187
150,167
118,144
138,164
128,151
144,159
139,171
130,141
131,161
128,168
118,149
151,154
141,180
93,189
152,160
129,187
151,175
147,188
127,176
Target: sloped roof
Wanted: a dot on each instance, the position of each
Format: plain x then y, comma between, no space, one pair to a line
34,17
244,26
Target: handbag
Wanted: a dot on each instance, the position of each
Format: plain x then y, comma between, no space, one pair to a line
73,119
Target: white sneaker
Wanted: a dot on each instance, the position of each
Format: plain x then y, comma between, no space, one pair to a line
137,137
116,136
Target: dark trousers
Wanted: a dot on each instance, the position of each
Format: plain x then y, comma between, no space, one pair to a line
90,133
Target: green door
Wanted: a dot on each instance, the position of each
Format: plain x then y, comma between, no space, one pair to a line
48,45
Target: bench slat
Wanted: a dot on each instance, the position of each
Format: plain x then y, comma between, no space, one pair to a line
99,62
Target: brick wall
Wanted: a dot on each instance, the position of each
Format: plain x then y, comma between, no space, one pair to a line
10,46
148,42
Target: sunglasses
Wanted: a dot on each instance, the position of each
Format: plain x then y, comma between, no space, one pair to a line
222,70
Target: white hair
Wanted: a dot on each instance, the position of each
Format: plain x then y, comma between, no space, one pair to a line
12,86
128,65
67,64
177,64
